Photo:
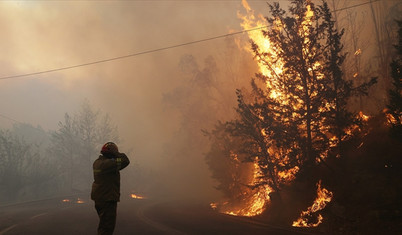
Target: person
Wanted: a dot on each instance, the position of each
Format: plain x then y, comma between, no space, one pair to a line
106,186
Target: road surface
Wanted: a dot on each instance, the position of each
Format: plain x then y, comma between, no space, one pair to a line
77,216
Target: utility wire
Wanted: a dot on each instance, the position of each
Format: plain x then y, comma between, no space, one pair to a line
156,50
11,119
132,55
357,5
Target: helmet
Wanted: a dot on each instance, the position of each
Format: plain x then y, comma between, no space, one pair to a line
109,148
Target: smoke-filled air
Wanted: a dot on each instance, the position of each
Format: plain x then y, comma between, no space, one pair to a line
285,112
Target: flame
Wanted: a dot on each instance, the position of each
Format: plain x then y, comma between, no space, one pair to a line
80,201
271,66
249,20
213,205
135,196
363,116
323,198
253,201
257,202
254,206
289,175
392,119
358,52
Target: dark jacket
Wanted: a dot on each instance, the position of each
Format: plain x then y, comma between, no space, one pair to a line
106,185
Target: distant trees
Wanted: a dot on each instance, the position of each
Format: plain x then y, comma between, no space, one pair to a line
24,168
35,163
13,152
77,143
296,113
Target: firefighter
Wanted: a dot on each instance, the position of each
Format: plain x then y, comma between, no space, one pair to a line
106,186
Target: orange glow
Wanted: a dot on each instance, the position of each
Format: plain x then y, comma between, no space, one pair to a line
253,201
323,198
289,175
391,119
270,65
135,196
358,52
80,201
66,200
249,20
255,205
363,116
214,205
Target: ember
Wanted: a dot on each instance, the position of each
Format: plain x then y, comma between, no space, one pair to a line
135,196
323,198
80,201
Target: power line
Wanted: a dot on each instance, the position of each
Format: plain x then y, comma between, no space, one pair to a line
11,119
357,5
158,49
132,55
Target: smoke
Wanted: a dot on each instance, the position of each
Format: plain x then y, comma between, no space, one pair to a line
162,138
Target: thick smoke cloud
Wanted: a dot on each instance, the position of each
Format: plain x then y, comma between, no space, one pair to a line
39,36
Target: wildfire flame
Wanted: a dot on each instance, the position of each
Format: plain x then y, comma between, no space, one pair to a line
323,198
264,45
271,66
363,116
255,205
358,52
80,201
135,196
214,205
253,201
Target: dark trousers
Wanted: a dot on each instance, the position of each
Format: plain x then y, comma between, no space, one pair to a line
107,216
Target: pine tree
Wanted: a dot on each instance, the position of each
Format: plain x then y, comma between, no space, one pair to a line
296,113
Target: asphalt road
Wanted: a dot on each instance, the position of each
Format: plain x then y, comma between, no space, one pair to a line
75,217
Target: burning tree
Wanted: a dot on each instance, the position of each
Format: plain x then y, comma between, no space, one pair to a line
296,114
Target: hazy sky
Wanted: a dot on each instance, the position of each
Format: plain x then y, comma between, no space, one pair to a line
45,35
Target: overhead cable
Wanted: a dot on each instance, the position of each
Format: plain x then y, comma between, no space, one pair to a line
132,55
